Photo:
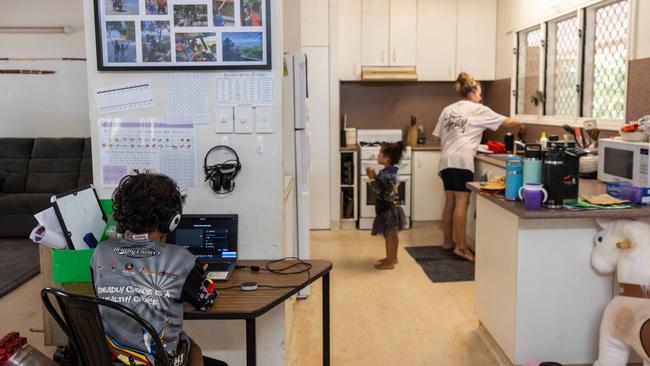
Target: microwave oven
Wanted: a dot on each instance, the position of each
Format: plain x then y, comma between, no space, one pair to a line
622,161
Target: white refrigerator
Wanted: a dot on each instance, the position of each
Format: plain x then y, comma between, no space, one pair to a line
295,97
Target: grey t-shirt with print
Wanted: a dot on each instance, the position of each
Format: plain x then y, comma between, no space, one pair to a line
147,277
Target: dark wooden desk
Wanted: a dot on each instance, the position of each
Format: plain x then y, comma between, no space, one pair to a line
249,305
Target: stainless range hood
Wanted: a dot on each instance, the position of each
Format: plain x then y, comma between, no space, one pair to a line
389,73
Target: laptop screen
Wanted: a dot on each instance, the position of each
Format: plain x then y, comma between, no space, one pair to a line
209,237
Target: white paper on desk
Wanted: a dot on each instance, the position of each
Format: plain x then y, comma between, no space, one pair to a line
186,97
48,232
124,97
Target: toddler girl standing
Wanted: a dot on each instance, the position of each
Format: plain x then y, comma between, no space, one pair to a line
390,216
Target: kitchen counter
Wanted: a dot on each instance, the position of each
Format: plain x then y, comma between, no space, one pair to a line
587,187
488,159
550,299
434,146
349,148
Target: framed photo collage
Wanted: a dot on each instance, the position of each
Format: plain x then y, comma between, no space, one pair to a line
182,34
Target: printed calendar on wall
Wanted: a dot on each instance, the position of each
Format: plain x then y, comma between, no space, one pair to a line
182,34
147,145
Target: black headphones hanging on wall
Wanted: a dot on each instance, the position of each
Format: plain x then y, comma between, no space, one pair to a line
221,176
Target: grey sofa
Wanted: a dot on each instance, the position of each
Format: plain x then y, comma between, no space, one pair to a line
31,171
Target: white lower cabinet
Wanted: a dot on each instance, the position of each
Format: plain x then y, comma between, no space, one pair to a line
483,171
428,197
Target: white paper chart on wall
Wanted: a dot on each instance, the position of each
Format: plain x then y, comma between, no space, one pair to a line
245,88
186,95
124,97
152,145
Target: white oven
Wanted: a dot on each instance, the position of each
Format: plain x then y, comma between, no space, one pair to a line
621,161
368,197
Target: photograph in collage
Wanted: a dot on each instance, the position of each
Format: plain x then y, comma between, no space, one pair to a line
156,41
190,15
242,46
121,7
251,13
196,47
120,41
223,13
156,7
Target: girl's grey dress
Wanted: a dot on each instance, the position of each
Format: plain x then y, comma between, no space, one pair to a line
390,215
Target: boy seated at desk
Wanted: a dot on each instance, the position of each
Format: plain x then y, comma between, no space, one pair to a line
148,276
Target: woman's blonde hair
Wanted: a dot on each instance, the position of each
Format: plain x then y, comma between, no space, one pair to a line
465,84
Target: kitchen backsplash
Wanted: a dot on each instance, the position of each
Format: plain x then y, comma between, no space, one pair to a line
390,105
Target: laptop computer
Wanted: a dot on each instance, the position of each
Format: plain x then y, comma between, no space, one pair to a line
212,239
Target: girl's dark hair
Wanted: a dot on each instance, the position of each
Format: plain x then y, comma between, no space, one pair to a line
394,151
145,202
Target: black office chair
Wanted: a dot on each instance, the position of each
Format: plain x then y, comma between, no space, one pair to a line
80,320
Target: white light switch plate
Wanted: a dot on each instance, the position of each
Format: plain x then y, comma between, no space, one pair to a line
244,119
224,120
260,144
264,119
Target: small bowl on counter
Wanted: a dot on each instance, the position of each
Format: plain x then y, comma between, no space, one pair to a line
637,136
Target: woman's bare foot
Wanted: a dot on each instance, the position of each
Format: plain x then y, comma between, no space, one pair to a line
385,265
446,246
383,260
464,253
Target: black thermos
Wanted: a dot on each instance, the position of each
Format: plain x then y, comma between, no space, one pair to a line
553,172
509,141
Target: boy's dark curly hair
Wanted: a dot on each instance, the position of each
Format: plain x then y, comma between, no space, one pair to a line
144,202
394,151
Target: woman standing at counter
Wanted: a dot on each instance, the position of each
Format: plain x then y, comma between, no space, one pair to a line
460,128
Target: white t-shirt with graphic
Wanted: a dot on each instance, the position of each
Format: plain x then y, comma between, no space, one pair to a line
460,128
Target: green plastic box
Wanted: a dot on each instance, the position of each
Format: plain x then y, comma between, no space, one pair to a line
71,265
74,265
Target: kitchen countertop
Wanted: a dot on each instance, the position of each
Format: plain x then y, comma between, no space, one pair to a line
349,148
420,147
486,158
587,187
433,146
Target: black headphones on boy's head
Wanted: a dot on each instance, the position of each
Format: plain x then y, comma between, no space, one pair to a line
221,176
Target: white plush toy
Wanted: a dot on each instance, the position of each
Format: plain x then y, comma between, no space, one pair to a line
624,246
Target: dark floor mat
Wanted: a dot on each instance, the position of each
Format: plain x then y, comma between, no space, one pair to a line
19,262
442,265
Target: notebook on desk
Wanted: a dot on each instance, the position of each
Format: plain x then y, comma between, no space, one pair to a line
212,239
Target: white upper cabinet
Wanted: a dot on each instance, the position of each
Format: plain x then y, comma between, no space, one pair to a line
375,32
403,32
436,41
314,23
476,49
349,39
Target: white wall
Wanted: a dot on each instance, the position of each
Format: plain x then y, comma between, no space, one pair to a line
258,198
515,14
43,105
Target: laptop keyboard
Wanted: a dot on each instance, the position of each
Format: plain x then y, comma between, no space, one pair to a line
219,266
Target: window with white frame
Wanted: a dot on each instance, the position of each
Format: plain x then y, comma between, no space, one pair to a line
583,61
606,61
528,65
562,67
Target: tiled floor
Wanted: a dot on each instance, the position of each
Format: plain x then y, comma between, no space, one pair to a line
378,318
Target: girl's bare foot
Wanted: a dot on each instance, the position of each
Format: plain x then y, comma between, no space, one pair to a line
383,260
385,265
464,253
446,246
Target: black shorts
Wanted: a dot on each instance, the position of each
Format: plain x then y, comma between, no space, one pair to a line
456,179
